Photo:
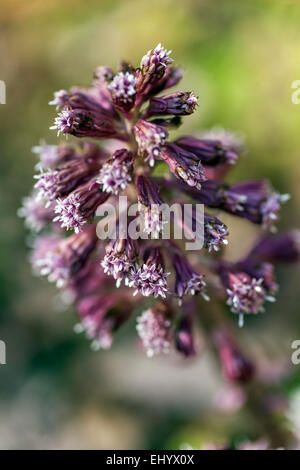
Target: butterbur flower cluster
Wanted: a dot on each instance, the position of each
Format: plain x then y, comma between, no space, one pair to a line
168,285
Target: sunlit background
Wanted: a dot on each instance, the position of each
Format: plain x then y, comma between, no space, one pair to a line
240,59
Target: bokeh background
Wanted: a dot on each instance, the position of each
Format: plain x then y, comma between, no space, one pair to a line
240,59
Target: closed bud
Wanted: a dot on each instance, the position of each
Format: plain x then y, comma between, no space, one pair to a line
236,366
75,210
180,103
184,165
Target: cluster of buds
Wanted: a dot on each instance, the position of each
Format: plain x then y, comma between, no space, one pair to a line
167,282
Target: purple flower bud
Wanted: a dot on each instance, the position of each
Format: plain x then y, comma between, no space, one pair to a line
284,247
59,259
154,329
188,281
103,74
83,116
61,181
149,205
122,89
115,175
151,278
231,142
214,233
92,311
89,279
53,155
207,228
97,321
236,366
76,209
261,271
184,165
60,99
35,213
245,294
50,155
151,139
184,336
179,103
211,193
67,122
211,151
42,247
152,68
254,200
155,60
120,260
102,77
85,124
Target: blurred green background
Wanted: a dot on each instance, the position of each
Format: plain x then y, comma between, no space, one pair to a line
240,59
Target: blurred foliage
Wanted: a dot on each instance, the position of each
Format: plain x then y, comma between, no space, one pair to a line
241,59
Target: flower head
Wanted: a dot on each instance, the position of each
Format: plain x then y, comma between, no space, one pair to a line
151,139
76,209
152,68
49,155
59,259
155,60
232,143
188,281
35,213
180,103
212,149
245,294
153,328
122,89
215,233
66,122
60,182
87,281
255,201
97,319
115,175
151,278
184,165
43,248
60,99
84,116
149,205
283,247
120,260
